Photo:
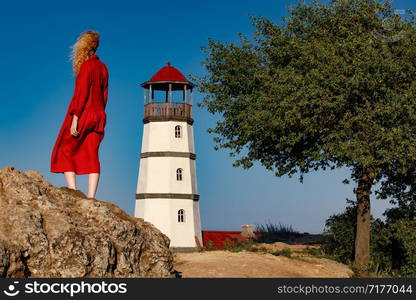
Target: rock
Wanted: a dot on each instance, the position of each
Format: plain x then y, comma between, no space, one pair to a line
47,231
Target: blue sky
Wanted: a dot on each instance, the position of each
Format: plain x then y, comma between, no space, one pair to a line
138,38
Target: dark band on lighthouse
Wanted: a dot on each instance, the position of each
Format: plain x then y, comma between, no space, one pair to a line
168,154
194,197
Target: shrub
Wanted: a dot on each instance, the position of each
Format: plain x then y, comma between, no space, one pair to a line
339,235
392,245
403,241
210,246
228,244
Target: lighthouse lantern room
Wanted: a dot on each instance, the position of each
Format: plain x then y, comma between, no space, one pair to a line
167,193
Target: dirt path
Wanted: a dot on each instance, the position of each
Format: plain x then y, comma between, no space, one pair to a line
226,264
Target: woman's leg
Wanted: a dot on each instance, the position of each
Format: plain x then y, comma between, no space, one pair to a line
71,180
93,179
86,159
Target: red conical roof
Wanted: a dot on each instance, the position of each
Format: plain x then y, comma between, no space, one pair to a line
168,73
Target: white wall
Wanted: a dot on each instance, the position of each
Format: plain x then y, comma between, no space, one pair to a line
183,234
160,136
163,213
158,175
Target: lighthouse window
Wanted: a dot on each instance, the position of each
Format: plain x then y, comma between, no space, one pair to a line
179,174
181,216
178,132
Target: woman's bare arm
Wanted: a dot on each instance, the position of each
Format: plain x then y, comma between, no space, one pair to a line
74,126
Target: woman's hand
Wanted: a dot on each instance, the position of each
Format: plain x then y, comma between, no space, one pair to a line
74,125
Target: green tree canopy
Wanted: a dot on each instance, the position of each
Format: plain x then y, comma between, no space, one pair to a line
332,86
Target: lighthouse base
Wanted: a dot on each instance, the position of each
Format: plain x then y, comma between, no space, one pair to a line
178,219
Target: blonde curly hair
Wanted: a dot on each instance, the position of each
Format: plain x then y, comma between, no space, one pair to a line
86,45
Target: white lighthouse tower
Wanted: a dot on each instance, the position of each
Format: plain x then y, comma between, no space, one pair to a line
167,194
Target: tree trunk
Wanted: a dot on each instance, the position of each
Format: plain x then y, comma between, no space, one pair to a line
362,236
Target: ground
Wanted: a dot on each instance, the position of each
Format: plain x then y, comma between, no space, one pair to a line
259,264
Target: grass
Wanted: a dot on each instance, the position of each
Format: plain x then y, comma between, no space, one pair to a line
235,246
209,247
319,253
287,252
375,273
273,233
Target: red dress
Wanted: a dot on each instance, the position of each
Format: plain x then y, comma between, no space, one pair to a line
79,154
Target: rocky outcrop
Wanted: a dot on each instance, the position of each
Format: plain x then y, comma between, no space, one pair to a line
47,231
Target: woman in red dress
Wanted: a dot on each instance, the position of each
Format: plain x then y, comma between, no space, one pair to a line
76,147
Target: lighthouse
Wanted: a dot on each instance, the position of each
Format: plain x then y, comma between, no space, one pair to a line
167,194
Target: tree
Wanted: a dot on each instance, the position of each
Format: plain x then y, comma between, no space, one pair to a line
332,86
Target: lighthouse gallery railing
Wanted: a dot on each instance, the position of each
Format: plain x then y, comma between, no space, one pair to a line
168,110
